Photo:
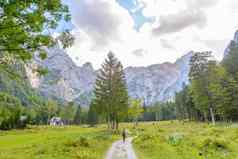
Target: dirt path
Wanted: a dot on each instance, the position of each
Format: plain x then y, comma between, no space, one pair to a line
120,150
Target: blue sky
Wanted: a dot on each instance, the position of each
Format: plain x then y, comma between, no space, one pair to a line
135,9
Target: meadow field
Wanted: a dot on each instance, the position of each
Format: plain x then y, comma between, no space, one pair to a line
152,140
176,140
55,143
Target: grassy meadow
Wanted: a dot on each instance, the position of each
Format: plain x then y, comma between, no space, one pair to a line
152,140
176,140
55,143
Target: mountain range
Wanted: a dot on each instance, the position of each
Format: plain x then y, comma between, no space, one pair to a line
68,82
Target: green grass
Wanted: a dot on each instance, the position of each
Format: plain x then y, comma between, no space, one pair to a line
158,140
175,140
51,143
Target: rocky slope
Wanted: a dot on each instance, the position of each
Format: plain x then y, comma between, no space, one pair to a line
68,82
235,39
65,80
158,82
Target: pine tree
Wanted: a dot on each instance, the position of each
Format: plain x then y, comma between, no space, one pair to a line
68,112
111,97
77,117
230,63
92,115
199,83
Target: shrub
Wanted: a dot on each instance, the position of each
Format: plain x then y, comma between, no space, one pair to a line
10,111
215,143
84,142
81,142
175,139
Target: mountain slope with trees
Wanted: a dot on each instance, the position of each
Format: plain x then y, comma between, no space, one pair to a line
213,90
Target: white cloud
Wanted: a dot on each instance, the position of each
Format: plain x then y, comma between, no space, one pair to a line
103,25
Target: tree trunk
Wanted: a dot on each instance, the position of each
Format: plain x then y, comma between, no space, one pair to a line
136,121
108,122
117,125
156,116
113,124
212,116
205,116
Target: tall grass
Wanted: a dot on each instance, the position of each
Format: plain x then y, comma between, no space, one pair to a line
175,140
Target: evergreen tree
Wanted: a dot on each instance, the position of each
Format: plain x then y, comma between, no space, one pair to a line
111,97
213,90
230,63
67,112
92,115
51,109
77,117
185,108
135,110
228,106
198,76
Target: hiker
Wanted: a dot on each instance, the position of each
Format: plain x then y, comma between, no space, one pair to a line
124,135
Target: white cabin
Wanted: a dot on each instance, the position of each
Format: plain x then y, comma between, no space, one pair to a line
56,121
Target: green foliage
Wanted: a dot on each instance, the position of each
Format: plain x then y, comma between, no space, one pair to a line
185,108
200,82
230,60
23,26
67,112
77,116
51,108
212,93
111,97
135,110
175,139
160,111
92,116
179,140
10,111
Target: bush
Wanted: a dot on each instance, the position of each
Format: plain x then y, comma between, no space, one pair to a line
215,131
215,143
81,142
10,111
175,139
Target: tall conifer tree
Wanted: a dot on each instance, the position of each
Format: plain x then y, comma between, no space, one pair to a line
111,97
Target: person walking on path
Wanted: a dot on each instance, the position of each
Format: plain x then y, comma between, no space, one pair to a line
124,135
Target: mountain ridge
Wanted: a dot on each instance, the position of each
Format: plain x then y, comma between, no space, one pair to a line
69,82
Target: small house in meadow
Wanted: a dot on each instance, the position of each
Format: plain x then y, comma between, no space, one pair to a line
56,121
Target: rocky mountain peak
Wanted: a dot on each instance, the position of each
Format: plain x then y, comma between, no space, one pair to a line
68,82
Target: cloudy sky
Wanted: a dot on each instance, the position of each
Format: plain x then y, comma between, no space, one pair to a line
144,32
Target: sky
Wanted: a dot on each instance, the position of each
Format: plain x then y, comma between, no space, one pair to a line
145,32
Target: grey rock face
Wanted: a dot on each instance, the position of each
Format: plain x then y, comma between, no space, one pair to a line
69,82
235,39
65,80
158,82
